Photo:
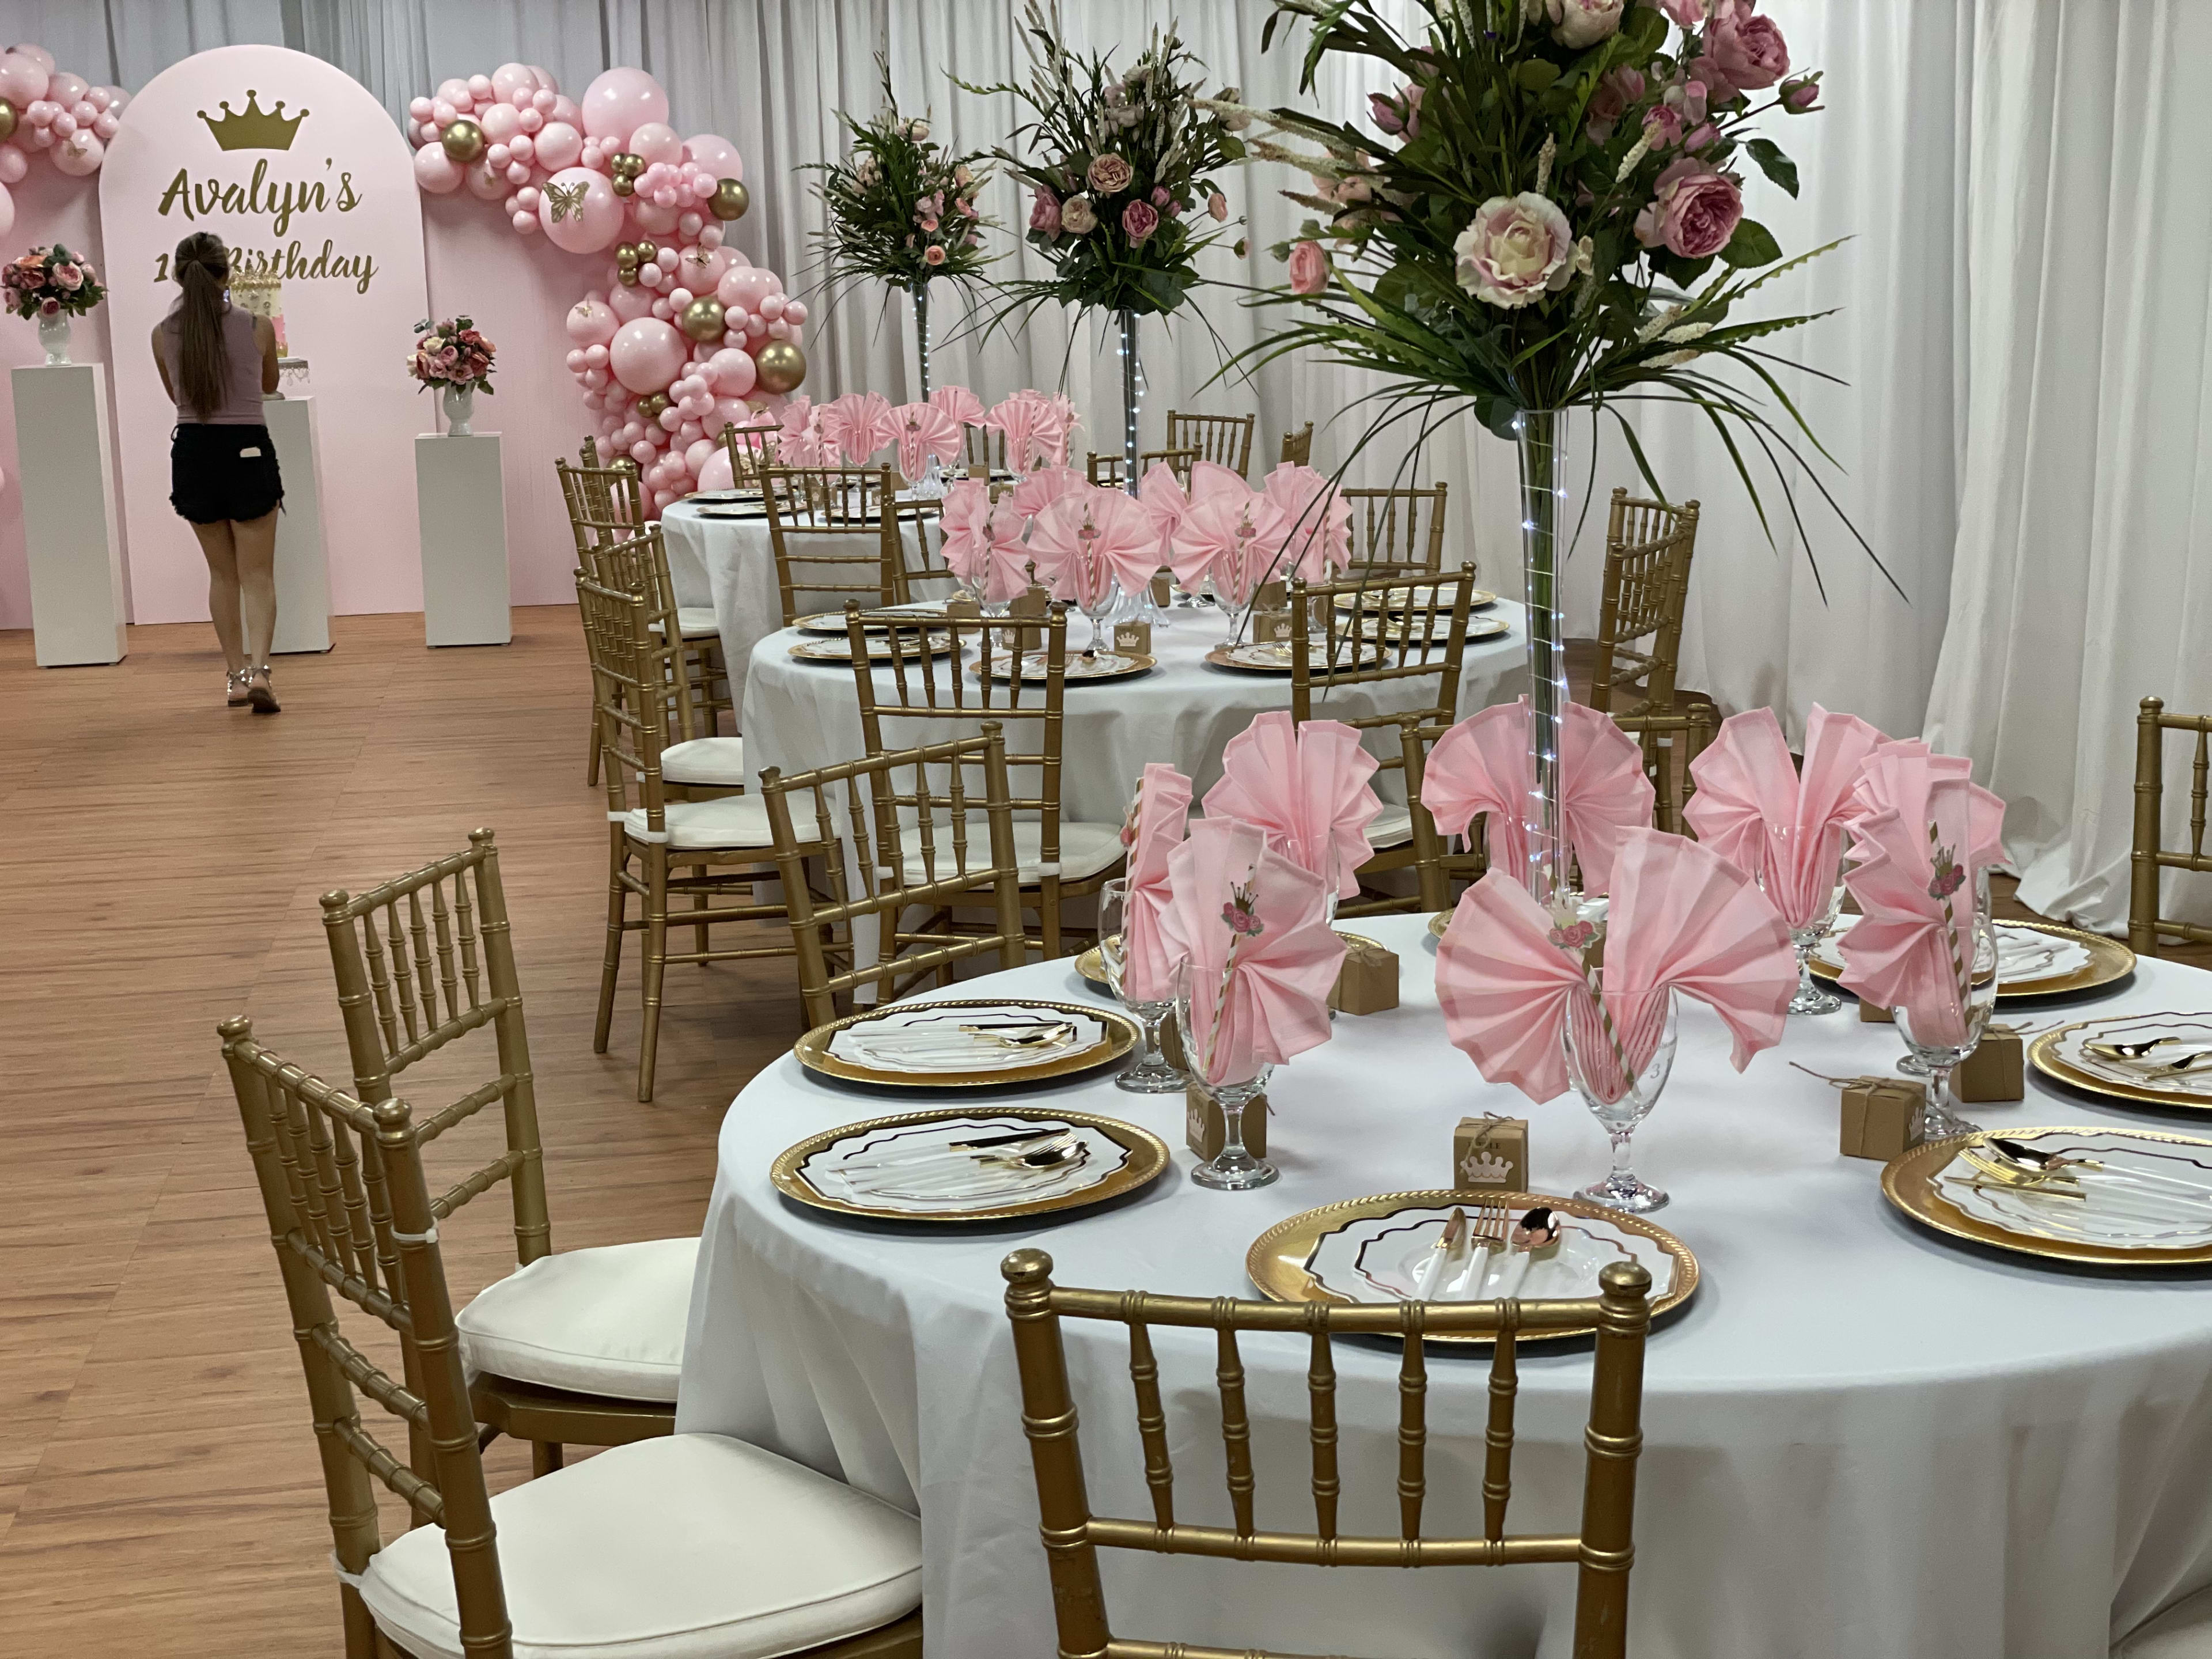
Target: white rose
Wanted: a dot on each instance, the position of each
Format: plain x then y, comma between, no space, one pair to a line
1076,216
1579,23
1518,249
919,130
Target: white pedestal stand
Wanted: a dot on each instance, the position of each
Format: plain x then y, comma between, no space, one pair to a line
68,473
303,564
463,511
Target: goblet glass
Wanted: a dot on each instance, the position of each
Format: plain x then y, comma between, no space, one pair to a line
1948,1029
1812,919
1099,610
1233,1169
1152,1075
1596,1064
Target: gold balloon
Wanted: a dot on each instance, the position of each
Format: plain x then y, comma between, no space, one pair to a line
781,366
463,141
648,250
650,408
626,275
623,186
730,200
7,119
703,318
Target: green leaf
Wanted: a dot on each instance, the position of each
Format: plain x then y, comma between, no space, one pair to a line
1752,245
1645,29
1535,74
1773,163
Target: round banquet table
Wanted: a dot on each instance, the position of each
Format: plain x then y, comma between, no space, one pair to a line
799,715
1861,1438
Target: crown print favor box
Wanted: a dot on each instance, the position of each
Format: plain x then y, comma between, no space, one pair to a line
1490,1154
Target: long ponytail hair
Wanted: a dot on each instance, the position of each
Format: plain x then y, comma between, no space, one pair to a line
203,268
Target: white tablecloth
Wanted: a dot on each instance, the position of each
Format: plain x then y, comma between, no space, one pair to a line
1861,1440
800,714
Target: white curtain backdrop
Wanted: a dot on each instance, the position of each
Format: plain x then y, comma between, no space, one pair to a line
2021,326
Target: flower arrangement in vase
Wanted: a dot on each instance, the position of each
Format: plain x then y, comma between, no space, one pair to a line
1546,214
454,357
901,210
53,285
1120,171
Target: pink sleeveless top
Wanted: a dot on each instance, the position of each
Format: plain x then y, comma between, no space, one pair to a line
241,389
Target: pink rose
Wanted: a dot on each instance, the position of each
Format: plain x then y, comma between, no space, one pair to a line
1687,13
50,307
1617,89
1383,110
1518,249
1706,72
1801,97
933,254
1694,211
929,226
1110,173
1044,212
1139,220
1663,127
69,276
1160,197
1580,23
1703,139
1309,268
1217,206
1749,48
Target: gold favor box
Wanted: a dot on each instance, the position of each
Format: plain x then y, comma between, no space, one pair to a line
1880,1117
1205,1132
1133,638
1870,1015
1367,983
1490,1154
1997,1070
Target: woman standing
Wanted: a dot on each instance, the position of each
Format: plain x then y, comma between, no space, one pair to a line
216,361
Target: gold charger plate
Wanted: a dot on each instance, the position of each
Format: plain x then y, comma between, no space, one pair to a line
840,650
1908,1182
1148,1159
1276,1261
833,622
1090,968
2043,1054
2109,960
1082,668
1220,657
1399,597
1440,923
1122,1034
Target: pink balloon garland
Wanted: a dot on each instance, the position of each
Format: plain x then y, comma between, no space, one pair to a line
60,113
666,349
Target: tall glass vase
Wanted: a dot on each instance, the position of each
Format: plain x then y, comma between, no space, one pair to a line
1128,320
1541,437
921,330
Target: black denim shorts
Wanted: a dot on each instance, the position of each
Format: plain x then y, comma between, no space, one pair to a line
218,472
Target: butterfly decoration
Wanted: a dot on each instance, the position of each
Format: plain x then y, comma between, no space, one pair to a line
567,199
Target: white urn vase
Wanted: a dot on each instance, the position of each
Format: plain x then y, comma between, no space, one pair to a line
458,401
54,336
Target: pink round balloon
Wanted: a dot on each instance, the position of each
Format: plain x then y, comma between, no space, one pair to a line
21,81
14,164
66,88
517,173
585,223
651,276
596,353
630,303
772,306
480,88
656,141
731,411
500,123
451,92
690,225
620,101
496,158
486,183
85,112
670,420
509,79
645,355
715,153
558,145
99,99
714,471
117,98
6,210
652,218
641,452
746,286
543,77
80,156
525,222
794,312
731,372
38,137
435,171
543,100
37,55
64,124
591,322
564,109
691,435
106,122
443,113
522,148
679,296
419,108
529,117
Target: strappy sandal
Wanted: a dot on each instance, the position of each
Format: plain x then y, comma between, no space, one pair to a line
263,699
234,692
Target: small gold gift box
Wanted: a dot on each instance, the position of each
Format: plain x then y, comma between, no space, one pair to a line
1172,1043
1490,1154
1205,1132
1163,589
964,607
1032,604
1271,627
1997,1070
1133,638
1271,596
1871,1015
1881,1117
1367,983
980,470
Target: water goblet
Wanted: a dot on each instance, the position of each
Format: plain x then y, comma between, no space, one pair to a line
1944,1032
1099,610
1599,1060
1234,1167
1152,1075
1808,912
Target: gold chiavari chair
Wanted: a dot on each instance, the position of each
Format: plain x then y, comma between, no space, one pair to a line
836,533
1602,1551
1648,548
1106,469
800,1564
1442,871
1396,530
724,841
986,448
1424,640
588,452
1297,447
605,507
580,1346
1670,743
751,450
858,805
1058,858
1224,439
2146,927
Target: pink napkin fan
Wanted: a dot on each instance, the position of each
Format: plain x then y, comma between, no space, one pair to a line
1519,989
1158,819
1317,520
1041,488
796,415
1165,501
924,431
859,423
983,543
1088,544
1307,786
1056,430
1255,960
1481,765
1021,417
962,404
1231,537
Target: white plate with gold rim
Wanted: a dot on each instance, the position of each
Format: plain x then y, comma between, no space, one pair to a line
1080,666
839,648
1406,599
1273,657
833,622
1934,1183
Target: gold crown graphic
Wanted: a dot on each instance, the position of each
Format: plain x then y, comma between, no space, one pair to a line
1486,1167
254,128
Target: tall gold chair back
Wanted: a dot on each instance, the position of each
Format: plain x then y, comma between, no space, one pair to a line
1649,546
908,846
1397,530
986,448
835,531
751,450
1107,470
1671,743
1226,439
2147,927
1297,447
1602,1551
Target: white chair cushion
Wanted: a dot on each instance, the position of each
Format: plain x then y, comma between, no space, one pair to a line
733,821
695,622
683,1546
606,1322
720,761
1391,827
2184,1631
1084,849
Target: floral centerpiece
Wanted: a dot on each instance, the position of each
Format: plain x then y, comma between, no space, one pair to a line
901,210
1546,214
1121,170
453,356
53,285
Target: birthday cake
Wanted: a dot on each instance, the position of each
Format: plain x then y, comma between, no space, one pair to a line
263,295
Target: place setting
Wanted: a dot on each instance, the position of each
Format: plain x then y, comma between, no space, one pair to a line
940,1045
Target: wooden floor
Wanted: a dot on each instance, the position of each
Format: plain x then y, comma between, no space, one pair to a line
158,1488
